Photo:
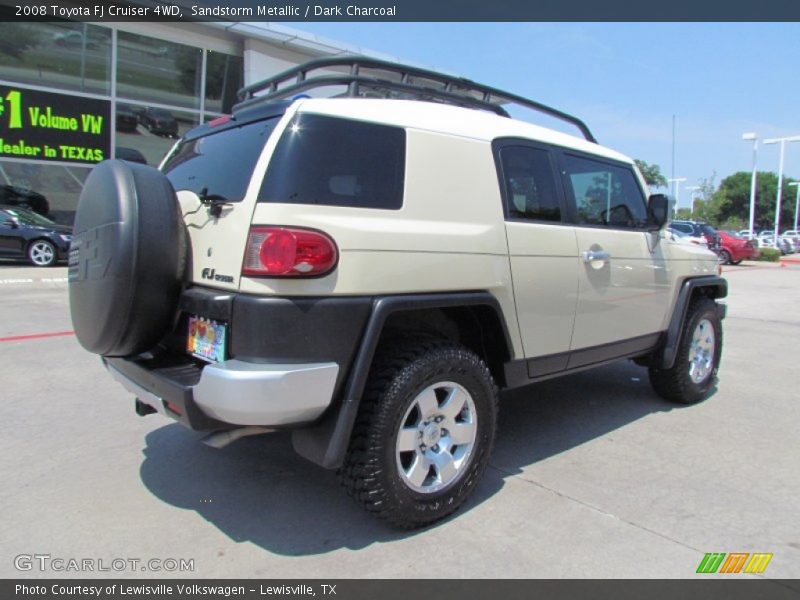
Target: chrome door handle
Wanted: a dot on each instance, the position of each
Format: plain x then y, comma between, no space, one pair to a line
593,255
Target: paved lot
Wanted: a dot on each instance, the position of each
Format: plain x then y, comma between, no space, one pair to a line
593,475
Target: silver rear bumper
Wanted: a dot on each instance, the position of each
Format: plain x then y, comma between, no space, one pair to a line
262,394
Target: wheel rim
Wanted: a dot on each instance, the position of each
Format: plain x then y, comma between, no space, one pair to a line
436,438
701,353
42,253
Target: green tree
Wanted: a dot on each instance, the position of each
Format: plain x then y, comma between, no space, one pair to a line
731,203
652,174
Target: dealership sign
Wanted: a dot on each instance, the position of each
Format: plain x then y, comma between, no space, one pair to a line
52,127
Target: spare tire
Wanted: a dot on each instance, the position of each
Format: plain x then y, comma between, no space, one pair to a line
127,259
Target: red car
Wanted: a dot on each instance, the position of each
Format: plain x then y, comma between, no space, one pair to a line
734,248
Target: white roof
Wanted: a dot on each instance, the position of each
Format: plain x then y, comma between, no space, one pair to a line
451,120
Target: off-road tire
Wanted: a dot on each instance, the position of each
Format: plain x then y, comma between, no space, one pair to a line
401,371
675,384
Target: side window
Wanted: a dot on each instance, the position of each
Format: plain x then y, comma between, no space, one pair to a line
683,228
605,194
530,188
337,162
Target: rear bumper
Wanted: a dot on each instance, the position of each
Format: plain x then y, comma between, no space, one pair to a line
231,393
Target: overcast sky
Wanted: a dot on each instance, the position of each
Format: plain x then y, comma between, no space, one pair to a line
626,80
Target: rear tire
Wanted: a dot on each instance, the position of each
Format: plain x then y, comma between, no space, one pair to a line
694,372
424,433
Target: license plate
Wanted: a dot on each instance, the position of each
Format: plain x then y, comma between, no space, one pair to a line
206,339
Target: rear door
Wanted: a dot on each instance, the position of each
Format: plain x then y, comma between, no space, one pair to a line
623,282
542,252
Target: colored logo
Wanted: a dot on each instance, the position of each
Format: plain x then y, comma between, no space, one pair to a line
735,562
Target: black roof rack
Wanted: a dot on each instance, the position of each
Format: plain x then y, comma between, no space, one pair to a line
394,80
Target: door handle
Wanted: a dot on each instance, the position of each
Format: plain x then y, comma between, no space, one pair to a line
593,255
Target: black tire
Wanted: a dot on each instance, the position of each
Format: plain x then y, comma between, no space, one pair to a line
737,262
724,257
373,468
127,259
42,253
677,383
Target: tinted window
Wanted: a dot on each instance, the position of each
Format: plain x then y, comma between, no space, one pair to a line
337,162
605,194
530,188
221,163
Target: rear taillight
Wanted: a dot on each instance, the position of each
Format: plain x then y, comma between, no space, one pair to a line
288,252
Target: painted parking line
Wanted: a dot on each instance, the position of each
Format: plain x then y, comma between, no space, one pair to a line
35,336
23,280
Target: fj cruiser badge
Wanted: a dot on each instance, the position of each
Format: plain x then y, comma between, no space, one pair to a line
213,276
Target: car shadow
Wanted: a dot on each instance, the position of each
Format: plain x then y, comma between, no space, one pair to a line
258,490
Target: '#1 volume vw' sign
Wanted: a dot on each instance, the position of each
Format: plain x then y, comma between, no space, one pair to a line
52,127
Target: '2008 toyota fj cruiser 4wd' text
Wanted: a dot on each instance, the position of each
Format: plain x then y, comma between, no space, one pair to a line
369,269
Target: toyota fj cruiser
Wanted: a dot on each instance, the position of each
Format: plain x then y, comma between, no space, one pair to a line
368,270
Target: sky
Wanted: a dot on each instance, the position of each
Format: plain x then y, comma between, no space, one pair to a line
627,80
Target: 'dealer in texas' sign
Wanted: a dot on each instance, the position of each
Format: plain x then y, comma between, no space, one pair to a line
53,127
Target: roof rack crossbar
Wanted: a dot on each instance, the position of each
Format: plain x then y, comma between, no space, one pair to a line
303,81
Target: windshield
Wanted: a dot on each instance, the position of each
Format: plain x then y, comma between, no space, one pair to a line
220,164
26,217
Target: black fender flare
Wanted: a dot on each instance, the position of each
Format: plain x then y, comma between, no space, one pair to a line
326,443
714,287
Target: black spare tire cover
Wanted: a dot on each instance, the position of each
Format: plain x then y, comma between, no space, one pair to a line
127,259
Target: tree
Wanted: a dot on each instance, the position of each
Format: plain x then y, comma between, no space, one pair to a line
731,203
651,173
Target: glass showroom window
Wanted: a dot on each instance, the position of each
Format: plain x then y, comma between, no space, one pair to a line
72,56
51,190
158,72
145,133
224,77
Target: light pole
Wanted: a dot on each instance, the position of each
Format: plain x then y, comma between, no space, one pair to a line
782,141
754,137
692,189
796,201
677,188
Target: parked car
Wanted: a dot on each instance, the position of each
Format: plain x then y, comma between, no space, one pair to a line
127,120
26,234
692,233
734,249
75,39
12,195
368,272
159,121
680,235
129,154
698,230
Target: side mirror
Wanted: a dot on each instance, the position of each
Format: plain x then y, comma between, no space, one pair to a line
658,211
13,223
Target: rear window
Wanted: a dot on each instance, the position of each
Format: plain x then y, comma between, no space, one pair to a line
337,162
219,164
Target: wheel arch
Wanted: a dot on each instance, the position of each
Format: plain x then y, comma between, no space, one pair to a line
473,319
712,287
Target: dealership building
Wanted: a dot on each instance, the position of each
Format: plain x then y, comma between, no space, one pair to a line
76,93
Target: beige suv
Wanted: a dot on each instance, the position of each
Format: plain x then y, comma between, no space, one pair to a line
369,269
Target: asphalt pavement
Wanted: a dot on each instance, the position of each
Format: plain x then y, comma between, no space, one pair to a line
593,475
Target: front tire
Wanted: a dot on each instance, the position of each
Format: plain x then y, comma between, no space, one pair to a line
724,257
694,372
42,253
424,433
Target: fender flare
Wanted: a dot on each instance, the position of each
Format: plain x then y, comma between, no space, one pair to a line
714,287
326,443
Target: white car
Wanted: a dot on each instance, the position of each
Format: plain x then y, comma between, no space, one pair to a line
369,272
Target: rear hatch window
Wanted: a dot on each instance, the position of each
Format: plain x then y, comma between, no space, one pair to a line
337,162
219,164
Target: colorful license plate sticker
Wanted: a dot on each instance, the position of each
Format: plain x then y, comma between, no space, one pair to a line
206,339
